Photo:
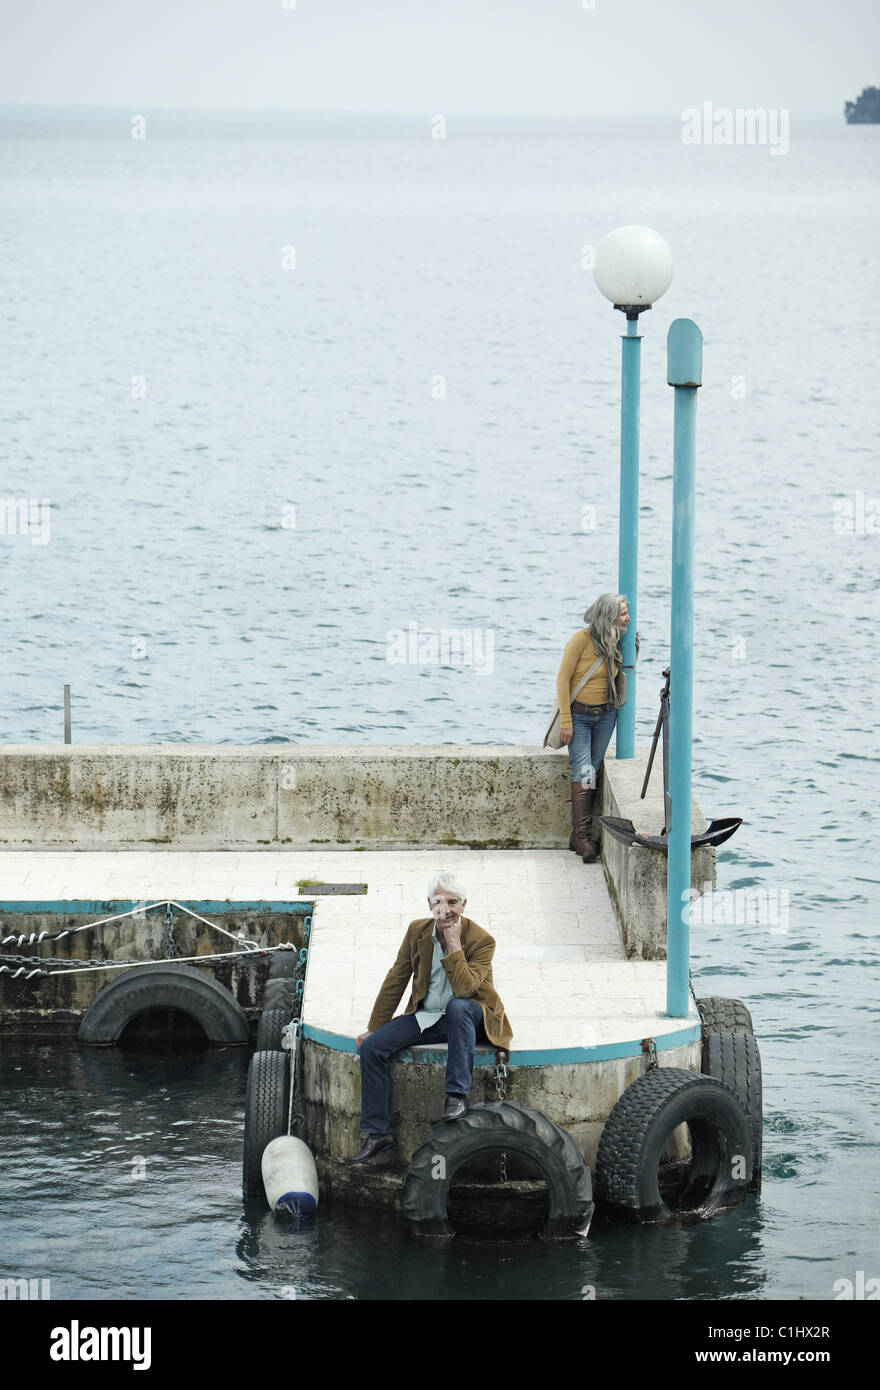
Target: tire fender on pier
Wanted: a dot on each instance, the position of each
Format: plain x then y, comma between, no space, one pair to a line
269,1029
281,994
724,1015
284,965
638,1130
265,1114
734,1058
500,1125
183,988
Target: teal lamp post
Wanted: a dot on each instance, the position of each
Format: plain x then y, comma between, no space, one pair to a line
633,269
684,357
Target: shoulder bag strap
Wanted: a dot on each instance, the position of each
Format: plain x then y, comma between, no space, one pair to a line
592,671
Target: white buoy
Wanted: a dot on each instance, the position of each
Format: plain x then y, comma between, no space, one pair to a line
290,1176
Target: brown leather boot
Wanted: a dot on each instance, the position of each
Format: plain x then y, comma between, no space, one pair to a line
581,817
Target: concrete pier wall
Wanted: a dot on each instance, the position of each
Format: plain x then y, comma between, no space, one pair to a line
578,1096
281,796
636,876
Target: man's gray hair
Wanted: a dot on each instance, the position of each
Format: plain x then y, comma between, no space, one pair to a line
443,879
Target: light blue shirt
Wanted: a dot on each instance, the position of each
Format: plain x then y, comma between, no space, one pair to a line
440,991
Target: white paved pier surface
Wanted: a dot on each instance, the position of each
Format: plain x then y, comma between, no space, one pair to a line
559,966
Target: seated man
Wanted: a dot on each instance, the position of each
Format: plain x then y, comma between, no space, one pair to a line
453,1000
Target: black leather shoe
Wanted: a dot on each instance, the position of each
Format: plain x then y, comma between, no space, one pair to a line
373,1144
455,1107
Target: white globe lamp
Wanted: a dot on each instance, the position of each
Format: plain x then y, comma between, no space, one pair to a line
633,268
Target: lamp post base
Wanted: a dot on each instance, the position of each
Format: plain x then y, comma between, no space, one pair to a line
632,311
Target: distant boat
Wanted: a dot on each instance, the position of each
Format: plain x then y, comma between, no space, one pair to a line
865,111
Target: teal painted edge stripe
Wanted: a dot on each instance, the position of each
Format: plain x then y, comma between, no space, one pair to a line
107,906
542,1057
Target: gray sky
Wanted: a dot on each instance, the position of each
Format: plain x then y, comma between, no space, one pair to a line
535,57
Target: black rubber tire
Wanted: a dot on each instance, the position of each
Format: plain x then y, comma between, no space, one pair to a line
280,994
724,1015
265,1114
284,965
516,1129
269,1030
638,1129
735,1059
167,986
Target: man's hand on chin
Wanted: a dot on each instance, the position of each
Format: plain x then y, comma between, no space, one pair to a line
452,938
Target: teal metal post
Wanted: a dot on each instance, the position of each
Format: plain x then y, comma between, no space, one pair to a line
628,543
684,357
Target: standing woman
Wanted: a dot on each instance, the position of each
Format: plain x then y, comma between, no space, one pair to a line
587,723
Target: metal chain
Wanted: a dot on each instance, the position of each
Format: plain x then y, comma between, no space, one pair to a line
649,1047
169,945
290,1033
501,1060
704,1033
299,985
64,960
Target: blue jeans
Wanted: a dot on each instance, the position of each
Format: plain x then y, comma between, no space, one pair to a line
589,742
461,1027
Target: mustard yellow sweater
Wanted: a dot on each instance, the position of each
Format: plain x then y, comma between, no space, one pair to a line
577,659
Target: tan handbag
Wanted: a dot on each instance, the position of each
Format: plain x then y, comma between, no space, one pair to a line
553,736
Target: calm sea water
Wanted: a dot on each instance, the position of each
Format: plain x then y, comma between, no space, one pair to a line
259,474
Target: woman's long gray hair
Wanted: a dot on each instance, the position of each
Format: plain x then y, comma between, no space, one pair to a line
601,618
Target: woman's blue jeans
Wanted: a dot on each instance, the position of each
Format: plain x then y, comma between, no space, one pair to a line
589,741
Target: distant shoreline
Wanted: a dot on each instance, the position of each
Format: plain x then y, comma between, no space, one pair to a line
254,115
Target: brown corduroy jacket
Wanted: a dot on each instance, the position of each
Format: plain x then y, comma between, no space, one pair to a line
469,972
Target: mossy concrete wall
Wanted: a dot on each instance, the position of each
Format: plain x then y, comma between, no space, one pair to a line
578,1096
289,796
53,1005
636,875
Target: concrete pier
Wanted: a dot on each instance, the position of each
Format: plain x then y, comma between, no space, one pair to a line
579,948
289,796
578,1006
